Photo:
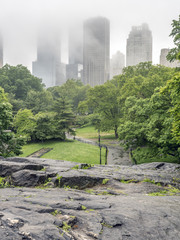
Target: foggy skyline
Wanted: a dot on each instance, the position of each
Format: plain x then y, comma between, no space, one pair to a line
20,19
96,51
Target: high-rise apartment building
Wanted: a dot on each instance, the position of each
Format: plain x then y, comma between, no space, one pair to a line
117,64
165,62
96,45
139,45
48,66
1,51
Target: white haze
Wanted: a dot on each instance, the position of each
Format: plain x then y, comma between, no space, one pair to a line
21,19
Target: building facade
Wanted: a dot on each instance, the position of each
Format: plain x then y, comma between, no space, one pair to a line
48,65
74,71
139,45
75,67
96,47
165,62
117,64
1,51
76,44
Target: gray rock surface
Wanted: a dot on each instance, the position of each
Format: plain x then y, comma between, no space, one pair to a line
62,200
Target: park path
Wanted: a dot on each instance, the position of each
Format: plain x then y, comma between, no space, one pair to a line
116,154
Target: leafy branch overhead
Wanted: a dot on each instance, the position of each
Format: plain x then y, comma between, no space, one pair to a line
174,53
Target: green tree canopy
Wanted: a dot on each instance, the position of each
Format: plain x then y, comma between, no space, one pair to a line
64,116
17,82
39,101
147,123
172,89
141,80
25,123
46,127
73,90
9,144
174,53
138,81
103,100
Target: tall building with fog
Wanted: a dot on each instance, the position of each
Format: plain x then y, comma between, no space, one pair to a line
1,51
48,65
117,63
139,45
165,62
96,46
75,66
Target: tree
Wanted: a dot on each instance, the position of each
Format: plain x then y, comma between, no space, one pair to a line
174,53
103,100
73,90
25,123
147,125
39,127
9,144
108,99
133,127
172,89
46,127
141,80
64,116
17,82
39,101
159,125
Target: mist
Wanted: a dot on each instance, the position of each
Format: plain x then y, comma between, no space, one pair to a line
20,21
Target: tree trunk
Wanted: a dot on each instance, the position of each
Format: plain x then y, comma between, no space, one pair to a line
116,133
132,157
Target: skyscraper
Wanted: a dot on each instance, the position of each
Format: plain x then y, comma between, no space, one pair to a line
48,64
1,51
117,64
139,45
74,68
96,47
76,44
165,62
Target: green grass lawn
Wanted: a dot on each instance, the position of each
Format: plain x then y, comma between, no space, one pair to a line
67,150
91,133
87,132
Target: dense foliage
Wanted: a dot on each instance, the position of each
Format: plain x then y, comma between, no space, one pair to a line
9,144
172,89
145,118
141,105
18,82
174,53
39,114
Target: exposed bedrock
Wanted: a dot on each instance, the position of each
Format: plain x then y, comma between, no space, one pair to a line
47,199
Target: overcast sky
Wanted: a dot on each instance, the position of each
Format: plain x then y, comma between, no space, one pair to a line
20,19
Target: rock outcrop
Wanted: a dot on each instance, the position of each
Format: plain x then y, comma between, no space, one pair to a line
49,199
